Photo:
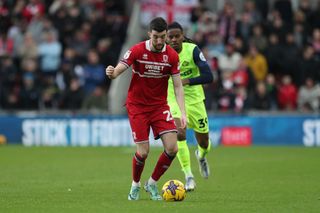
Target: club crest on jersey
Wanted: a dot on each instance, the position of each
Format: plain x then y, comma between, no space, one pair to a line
145,56
127,54
165,58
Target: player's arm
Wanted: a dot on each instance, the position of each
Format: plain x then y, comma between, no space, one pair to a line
127,60
206,76
113,72
178,91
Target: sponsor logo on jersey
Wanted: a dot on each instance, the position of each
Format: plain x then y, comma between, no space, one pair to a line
185,63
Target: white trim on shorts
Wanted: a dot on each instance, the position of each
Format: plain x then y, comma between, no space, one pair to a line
145,141
164,132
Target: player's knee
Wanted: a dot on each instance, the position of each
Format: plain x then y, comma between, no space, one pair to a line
172,151
181,135
204,143
143,153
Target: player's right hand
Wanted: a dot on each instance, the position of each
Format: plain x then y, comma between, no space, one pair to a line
183,121
110,71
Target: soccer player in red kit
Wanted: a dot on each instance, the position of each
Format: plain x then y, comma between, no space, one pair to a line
153,62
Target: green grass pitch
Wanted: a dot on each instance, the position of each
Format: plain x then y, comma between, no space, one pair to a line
97,179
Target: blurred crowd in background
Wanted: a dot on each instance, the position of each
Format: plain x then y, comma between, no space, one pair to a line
53,54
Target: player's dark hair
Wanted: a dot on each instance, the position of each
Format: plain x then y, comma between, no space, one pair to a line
176,25
158,24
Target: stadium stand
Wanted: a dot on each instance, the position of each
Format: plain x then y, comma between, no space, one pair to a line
51,50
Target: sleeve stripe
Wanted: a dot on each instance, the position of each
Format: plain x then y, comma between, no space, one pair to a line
124,63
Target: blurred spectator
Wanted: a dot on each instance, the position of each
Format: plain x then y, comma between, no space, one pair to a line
261,99
39,26
71,22
299,18
214,45
306,8
6,45
244,27
229,61
49,94
96,101
257,63
4,16
316,42
240,46
16,33
11,99
287,94
207,24
258,38
308,66
115,28
9,80
300,35
50,52
309,96
18,7
8,71
241,102
93,72
254,14
30,93
33,8
73,96
199,39
272,90
315,16
285,10
105,52
80,44
197,11
226,97
277,26
291,57
243,76
115,6
65,74
263,8
28,49
227,23
274,55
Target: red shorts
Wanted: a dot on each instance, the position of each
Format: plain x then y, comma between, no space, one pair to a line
159,119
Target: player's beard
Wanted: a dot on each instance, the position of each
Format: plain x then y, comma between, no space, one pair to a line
158,47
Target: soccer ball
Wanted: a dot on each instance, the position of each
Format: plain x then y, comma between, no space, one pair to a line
173,190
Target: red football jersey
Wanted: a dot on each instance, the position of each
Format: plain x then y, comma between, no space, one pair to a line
151,71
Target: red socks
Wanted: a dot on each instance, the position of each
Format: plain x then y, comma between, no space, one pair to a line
163,164
137,167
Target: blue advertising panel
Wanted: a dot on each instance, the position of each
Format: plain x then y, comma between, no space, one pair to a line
63,130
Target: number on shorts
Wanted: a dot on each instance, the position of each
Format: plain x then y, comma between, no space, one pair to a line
169,117
203,122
